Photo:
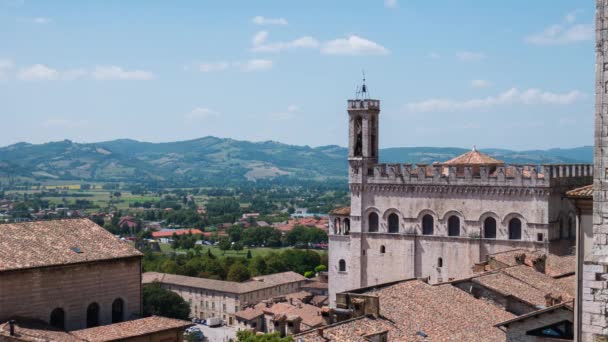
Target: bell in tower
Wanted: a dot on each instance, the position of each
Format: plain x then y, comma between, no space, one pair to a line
363,125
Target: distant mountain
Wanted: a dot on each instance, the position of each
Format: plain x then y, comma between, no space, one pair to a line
217,161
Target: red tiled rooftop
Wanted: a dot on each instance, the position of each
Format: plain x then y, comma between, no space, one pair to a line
473,157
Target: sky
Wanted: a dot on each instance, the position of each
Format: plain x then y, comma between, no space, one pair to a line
513,74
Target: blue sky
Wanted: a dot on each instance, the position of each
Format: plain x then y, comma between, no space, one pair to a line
516,74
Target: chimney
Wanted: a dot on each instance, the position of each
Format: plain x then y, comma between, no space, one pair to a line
11,324
320,332
539,263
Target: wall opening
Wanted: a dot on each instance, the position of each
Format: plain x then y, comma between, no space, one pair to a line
93,315
372,222
454,226
489,228
393,223
515,229
57,319
342,265
428,225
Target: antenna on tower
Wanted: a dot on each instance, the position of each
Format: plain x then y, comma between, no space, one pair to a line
362,92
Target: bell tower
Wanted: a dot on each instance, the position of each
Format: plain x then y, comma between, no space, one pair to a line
363,113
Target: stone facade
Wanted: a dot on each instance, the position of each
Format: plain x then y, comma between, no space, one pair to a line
35,293
595,272
398,225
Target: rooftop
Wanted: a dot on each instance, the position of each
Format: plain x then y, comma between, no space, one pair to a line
473,157
340,211
356,330
585,192
58,242
555,265
256,283
138,327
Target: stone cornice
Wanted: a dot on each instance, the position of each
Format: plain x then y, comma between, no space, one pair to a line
452,189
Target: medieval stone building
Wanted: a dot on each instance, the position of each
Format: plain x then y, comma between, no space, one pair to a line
435,221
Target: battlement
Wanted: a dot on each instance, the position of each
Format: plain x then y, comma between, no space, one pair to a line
504,175
363,104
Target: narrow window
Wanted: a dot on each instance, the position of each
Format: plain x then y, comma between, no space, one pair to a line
93,315
372,222
358,150
118,307
336,226
539,237
393,223
346,226
342,265
428,224
439,262
57,319
454,226
515,229
489,228
571,229
382,249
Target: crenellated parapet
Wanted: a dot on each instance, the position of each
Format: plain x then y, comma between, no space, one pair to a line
501,175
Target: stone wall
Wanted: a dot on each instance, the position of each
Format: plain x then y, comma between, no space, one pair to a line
595,287
35,293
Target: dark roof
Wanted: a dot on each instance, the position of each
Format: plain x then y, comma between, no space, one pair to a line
58,242
534,314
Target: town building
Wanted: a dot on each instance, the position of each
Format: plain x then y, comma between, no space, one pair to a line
217,298
71,274
435,221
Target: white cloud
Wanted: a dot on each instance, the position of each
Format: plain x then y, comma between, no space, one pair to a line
470,56
212,67
201,113
509,97
260,44
41,72
434,55
353,45
567,32
112,72
286,114
260,20
390,3
480,83
256,65
38,72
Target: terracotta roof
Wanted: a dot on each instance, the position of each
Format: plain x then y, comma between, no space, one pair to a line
585,192
33,330
128,329
355,330
315,285
170,232
442,312
473,157
251,312
319,300
555,265
310,314
59,242
535,314
257,283
343,211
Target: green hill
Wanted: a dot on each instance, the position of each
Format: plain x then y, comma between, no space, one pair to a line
216,161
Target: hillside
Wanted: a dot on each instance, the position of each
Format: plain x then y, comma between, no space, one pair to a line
217,161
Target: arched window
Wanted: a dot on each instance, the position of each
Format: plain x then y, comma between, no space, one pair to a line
489,228
393,223
118,307
346,226
571,228
342,265
93,315
358,149
439,262
336,225
372,222
428,224
382,249
454,226
57,319
515,229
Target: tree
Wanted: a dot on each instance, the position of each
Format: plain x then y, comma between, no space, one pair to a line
238,272
250,336
320,268
249,256
224,243
161,302
237,246
309,274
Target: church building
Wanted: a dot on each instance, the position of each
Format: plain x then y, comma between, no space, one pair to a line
436,221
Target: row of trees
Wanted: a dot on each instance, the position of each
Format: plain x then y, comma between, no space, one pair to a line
204,264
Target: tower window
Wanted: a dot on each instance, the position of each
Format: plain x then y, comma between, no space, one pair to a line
515,229
539,237
372,222
428,224
489,228
358,149
439,262
382,249
346,226
454,226
393,223
342,265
